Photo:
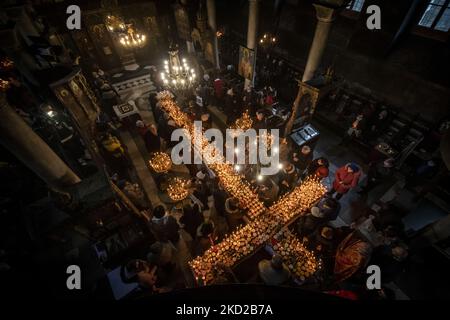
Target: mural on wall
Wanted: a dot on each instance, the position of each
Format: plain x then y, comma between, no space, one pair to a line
99,31
152,26
246,62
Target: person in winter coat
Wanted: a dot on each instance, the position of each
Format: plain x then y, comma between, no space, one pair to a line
303,159
309,223
330,207
346,178
163,226
377,174
205,237
192,218
149,135
220,196
233,213
273,272
288,178
260,120
318,168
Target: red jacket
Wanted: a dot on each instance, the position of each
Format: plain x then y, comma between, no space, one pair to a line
349,180
218,88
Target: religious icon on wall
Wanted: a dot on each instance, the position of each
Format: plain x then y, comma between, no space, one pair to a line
246,62
152,25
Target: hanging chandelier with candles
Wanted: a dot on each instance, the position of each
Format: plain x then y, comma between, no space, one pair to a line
177,75
126,33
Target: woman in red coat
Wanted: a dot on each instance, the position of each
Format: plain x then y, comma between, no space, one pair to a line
346,177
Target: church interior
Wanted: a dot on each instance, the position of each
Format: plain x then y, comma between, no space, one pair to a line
336,114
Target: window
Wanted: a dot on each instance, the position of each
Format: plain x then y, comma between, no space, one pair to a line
355,5
436,16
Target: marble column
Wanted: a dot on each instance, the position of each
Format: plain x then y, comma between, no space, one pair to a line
252,31
29,148
211,7
325,17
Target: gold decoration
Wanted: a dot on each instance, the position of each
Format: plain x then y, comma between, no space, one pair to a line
115,24
178,189
160,162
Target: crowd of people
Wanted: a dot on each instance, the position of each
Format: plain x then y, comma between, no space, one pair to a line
210,213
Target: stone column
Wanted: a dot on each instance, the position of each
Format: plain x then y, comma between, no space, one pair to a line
325,17
252,32
29,148
211,7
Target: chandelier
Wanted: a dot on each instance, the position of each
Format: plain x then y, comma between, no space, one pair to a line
115,24
177,75
127,34
132,38
267,39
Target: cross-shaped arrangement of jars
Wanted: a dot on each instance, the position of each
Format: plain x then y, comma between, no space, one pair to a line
265,223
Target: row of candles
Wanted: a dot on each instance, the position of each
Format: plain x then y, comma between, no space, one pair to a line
298,259
246,239
300,199
231,181
234,247
243,241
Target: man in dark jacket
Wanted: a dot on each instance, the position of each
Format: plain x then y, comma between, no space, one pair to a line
288,178
163,226
310,222
302,160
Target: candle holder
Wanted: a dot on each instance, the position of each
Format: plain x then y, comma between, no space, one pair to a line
160,162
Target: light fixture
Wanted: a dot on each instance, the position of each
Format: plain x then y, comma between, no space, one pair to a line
260,177
268,40
127,34
177,74
237,167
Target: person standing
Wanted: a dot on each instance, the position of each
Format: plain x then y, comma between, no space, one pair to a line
260,121
318,168
205,237
234,214
273,272
164,226
377,174
289,178
192,218
150,136
346,178
302,160
310,222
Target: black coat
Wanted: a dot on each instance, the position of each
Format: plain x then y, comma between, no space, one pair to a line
165,229
191,219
